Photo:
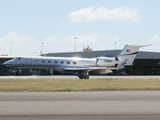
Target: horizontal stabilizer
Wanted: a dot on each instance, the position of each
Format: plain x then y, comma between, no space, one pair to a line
122,64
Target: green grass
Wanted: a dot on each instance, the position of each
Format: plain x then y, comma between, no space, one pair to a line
45,85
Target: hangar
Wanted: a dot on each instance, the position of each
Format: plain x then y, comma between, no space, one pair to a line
146,63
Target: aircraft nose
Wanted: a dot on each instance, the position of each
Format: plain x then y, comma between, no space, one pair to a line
7,63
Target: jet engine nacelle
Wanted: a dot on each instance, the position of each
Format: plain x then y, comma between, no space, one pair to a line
108,62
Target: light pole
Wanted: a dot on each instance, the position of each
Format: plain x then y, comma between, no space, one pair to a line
10,52
42,47
75,43
115,45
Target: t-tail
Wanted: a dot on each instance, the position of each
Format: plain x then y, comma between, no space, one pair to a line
129,53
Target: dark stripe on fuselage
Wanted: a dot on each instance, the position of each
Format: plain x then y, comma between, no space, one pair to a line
130,54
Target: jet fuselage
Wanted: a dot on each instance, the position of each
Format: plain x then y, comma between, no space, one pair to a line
61,62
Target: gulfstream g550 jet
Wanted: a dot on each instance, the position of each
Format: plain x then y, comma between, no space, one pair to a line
81,66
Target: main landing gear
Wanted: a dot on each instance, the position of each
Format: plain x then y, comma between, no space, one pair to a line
83,75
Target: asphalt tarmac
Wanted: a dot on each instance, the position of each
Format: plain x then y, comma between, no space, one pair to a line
108,105
75,77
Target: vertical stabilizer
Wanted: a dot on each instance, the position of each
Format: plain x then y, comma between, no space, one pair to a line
129,52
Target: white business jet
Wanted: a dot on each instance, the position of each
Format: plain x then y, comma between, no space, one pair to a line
80,66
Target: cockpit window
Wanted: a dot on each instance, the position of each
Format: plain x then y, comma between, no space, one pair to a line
18,58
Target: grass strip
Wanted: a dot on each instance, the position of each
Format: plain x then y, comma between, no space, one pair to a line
46,85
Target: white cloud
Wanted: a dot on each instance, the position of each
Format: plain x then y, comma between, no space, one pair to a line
92,40
84,38
67,44
24,45
102,13
113,39
154,38
63,22
51,39
10,39
17,44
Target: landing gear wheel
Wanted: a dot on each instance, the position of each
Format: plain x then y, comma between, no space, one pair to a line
86,77
81,77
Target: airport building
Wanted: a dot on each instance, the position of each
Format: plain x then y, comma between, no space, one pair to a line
146,63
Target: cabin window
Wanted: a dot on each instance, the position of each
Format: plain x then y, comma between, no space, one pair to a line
62,62
55,62
68,62
43,61
49,61
36,60
74,63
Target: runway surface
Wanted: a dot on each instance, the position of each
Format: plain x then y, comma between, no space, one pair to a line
75,77
117,105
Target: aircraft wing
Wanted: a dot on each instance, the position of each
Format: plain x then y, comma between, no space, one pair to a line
95,70
84,68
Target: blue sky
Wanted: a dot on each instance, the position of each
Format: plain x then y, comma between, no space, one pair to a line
25,24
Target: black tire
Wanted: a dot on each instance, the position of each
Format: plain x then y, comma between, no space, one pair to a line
87,77
80,77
